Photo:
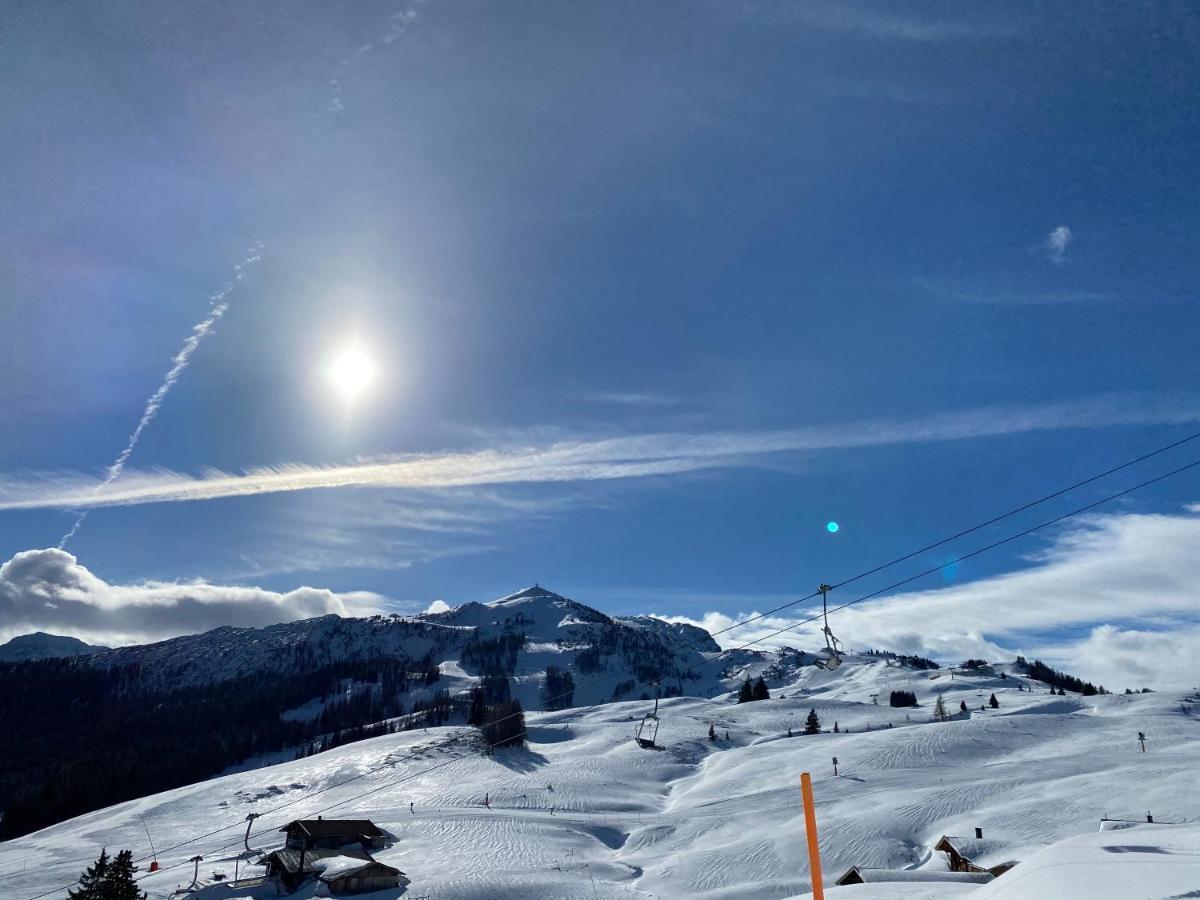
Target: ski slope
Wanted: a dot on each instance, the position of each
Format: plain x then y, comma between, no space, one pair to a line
584,812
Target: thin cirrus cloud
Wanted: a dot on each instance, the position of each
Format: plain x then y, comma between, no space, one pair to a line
579,460
959,293
1112,599
883,24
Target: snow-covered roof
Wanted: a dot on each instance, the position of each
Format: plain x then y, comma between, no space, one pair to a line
1145,861
882,876
314,860
333,867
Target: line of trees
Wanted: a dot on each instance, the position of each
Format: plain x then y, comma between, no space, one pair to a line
1039,671
911,661
559,692
902,698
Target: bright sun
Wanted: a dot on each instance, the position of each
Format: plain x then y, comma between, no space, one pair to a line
351,372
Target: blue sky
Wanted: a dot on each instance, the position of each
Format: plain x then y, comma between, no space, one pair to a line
706,275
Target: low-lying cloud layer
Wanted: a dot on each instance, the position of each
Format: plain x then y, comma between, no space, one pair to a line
48,590
630,456
1115,600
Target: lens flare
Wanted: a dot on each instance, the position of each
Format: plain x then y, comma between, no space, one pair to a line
832,527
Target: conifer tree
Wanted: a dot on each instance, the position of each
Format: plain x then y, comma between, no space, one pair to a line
745,693
92,882
939,709
712,732
812,725
760,691
962,705
995,704
120,884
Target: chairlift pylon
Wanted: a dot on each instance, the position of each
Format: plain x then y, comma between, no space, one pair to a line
647,730
831,656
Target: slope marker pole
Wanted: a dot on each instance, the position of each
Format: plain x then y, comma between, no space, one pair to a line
810,826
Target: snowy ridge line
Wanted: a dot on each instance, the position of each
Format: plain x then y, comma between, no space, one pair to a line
714,658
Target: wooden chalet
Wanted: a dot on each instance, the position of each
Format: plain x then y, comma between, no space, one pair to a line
345,875
295,866
961,853
330,834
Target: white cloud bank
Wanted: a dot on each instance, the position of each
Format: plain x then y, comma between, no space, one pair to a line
1115,600
48,590
582,459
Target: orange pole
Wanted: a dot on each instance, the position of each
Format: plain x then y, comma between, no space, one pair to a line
810,825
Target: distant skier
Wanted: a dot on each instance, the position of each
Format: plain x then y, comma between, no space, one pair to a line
486,801
410,808
552,810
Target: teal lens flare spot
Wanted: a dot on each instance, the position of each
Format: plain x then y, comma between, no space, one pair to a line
832,527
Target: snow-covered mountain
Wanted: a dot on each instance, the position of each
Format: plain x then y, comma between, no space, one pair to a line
584,812
40,645
556,631
245,697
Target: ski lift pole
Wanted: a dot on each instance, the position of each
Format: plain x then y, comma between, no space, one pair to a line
153,852
810,826
250,817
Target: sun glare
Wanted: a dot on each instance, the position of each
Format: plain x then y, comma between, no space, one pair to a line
352,372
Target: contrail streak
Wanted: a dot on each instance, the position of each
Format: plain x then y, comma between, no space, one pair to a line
397,25
218,303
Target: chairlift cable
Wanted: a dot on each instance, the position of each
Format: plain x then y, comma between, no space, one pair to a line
756,617
976,552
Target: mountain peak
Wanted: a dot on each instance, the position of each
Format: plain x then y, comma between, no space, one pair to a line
537,592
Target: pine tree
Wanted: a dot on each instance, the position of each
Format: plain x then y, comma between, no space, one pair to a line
120,885
712,732
760,691
745,693
812,725
939,709
92,882
995,704
836,730
962,705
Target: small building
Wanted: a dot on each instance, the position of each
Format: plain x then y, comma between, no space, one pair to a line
961,853
295,866
330,834
864,875
349,875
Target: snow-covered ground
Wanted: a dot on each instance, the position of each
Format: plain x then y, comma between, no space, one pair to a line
584,812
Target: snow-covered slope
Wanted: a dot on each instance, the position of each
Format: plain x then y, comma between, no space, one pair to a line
40,645
584,812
